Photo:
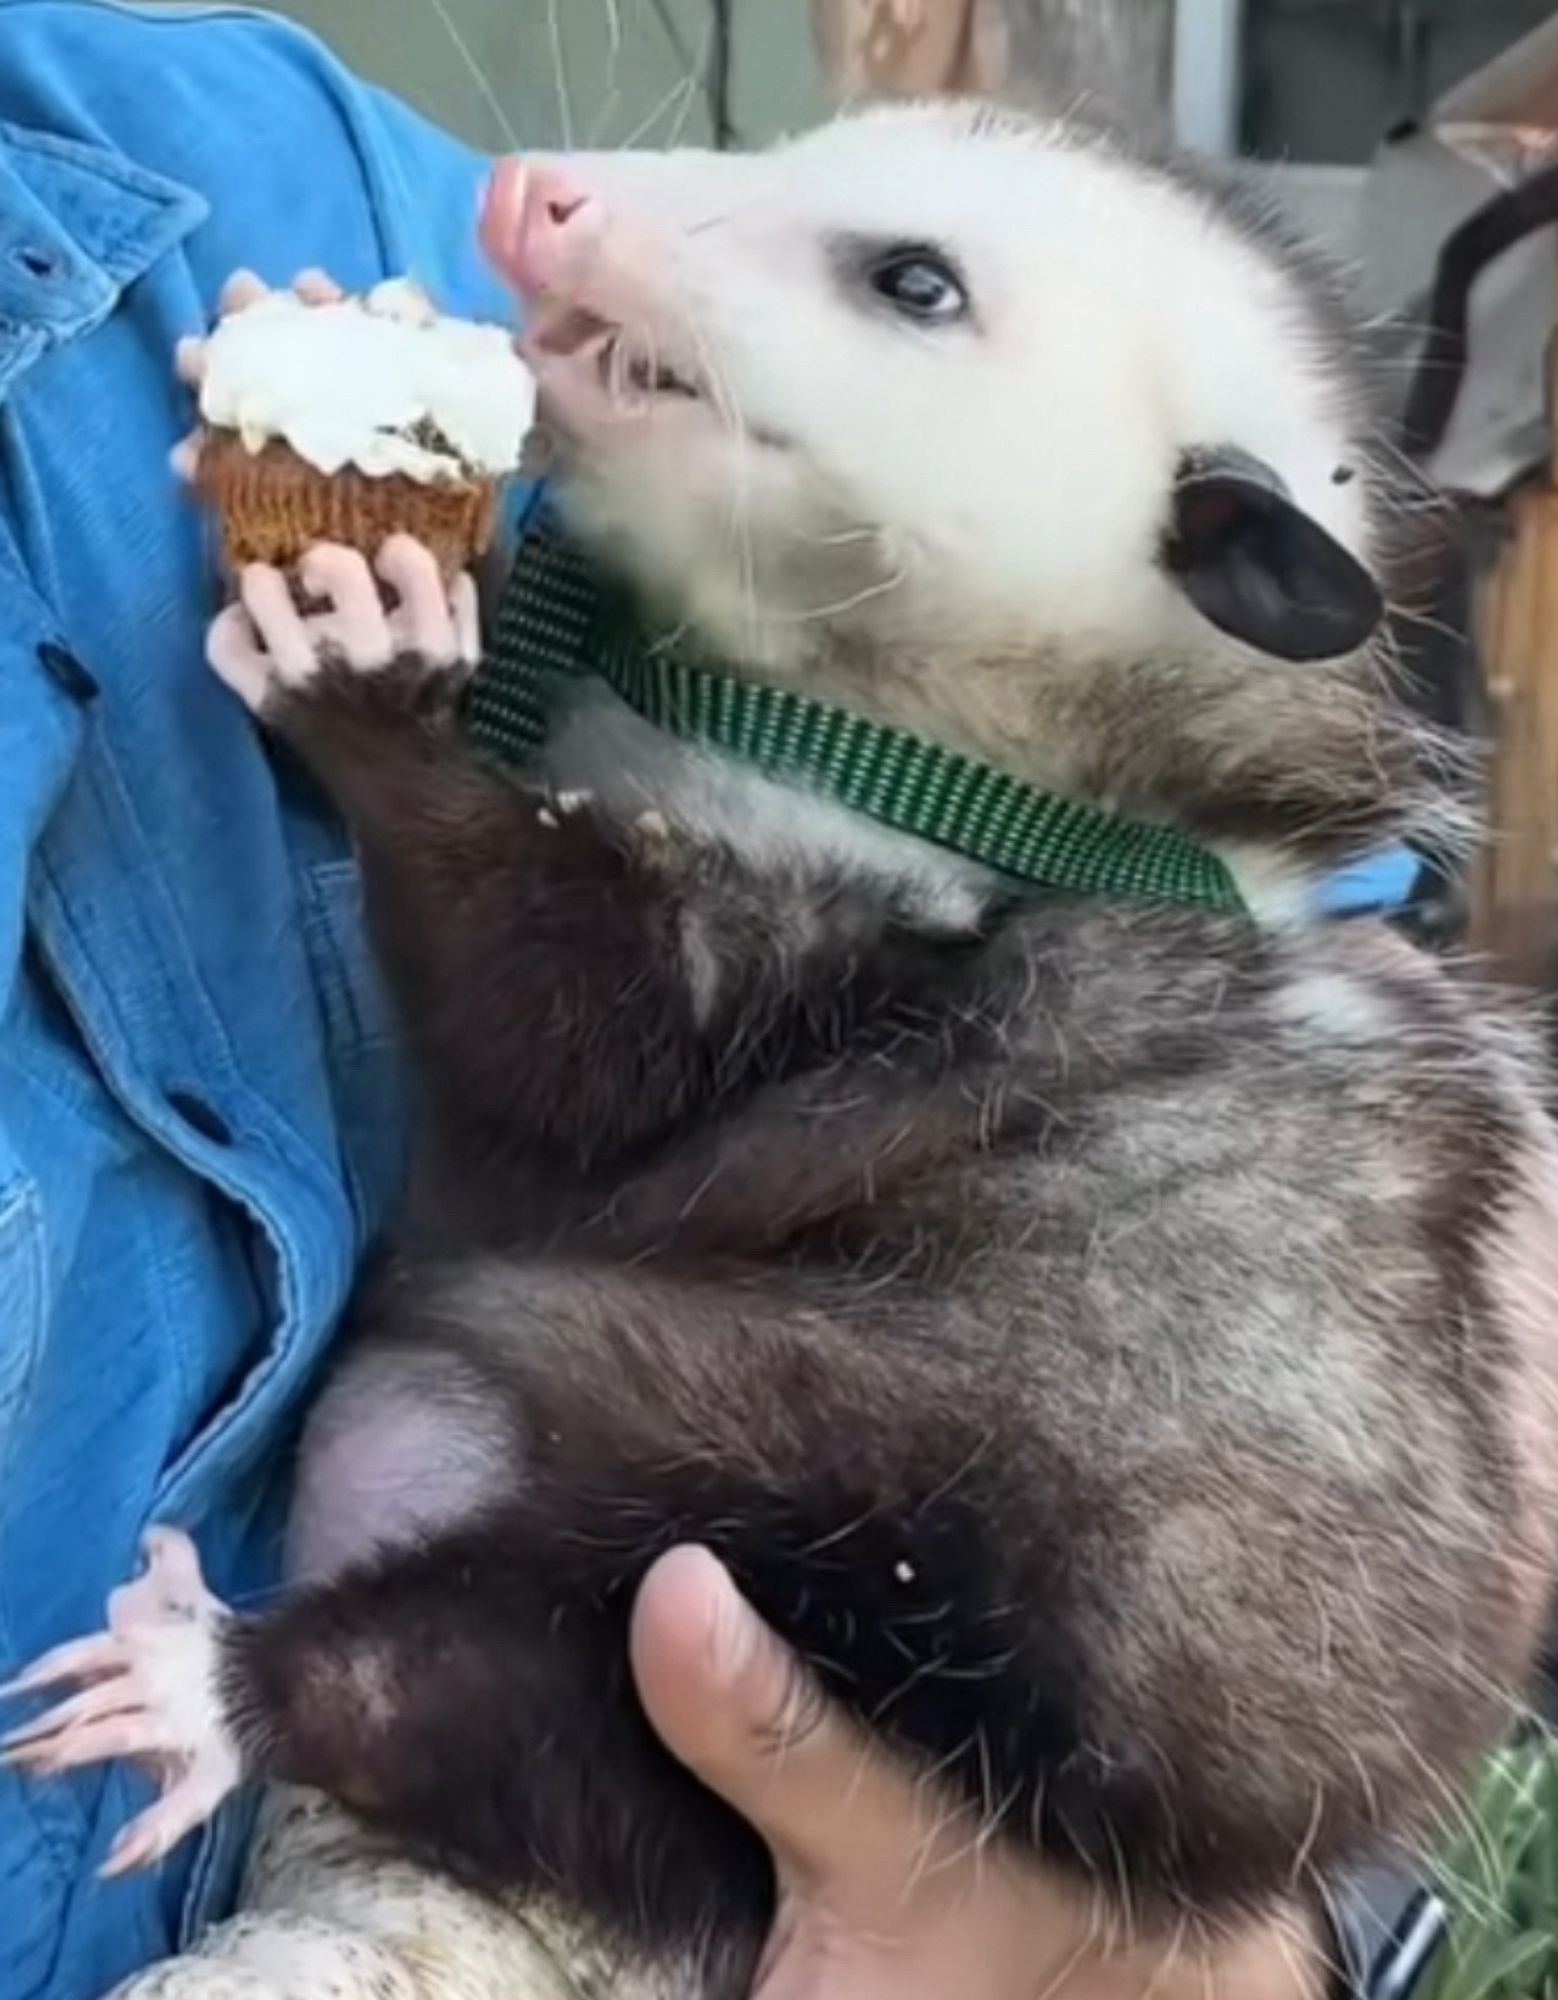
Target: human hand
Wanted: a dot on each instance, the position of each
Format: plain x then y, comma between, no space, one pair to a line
885,1891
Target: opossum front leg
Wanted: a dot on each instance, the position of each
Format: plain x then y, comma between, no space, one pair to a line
564,981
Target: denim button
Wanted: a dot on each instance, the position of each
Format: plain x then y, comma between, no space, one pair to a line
36,260
67,672
200,1117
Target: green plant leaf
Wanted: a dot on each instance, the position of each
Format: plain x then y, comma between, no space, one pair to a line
1499,1881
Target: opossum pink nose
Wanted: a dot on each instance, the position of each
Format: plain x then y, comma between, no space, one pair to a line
538,225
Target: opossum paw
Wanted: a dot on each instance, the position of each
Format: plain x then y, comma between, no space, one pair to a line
148,1690
358,618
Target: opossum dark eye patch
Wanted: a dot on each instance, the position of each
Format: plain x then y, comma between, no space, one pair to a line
916,281
1259,568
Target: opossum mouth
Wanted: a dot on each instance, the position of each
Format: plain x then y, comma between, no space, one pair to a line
646,377
629,368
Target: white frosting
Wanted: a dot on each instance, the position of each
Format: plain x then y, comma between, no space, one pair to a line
345,384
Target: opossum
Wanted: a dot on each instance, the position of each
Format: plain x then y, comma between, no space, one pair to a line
1113,1342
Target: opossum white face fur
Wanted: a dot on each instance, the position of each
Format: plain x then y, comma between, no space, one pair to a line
991,430
1114,1341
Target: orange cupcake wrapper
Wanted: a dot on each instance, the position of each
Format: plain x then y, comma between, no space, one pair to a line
273,505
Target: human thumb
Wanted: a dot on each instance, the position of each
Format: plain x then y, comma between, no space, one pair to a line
737,1707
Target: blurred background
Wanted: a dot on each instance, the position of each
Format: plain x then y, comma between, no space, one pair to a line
1418,139
1309,80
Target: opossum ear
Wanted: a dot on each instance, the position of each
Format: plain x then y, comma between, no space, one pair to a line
1258,567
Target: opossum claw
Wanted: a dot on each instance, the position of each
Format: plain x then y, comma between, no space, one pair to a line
185,1805
150,1693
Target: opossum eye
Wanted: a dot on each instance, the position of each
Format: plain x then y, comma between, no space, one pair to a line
921,286
918,281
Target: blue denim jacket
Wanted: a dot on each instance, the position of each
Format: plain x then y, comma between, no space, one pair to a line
199,1125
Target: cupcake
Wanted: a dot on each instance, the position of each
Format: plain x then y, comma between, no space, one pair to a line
357,420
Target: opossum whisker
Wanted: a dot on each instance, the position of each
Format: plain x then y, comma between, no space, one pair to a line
671,29
477,74
682,91
605,112
840,606
741,519
554,34
1424,621
728,408
697,79
838,539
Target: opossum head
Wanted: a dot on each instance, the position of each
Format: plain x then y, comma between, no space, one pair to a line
995,432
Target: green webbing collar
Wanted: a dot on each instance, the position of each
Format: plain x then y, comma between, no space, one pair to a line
558,622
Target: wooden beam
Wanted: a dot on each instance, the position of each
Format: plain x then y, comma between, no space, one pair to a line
902,48
1116,54
1515,885
1514,909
